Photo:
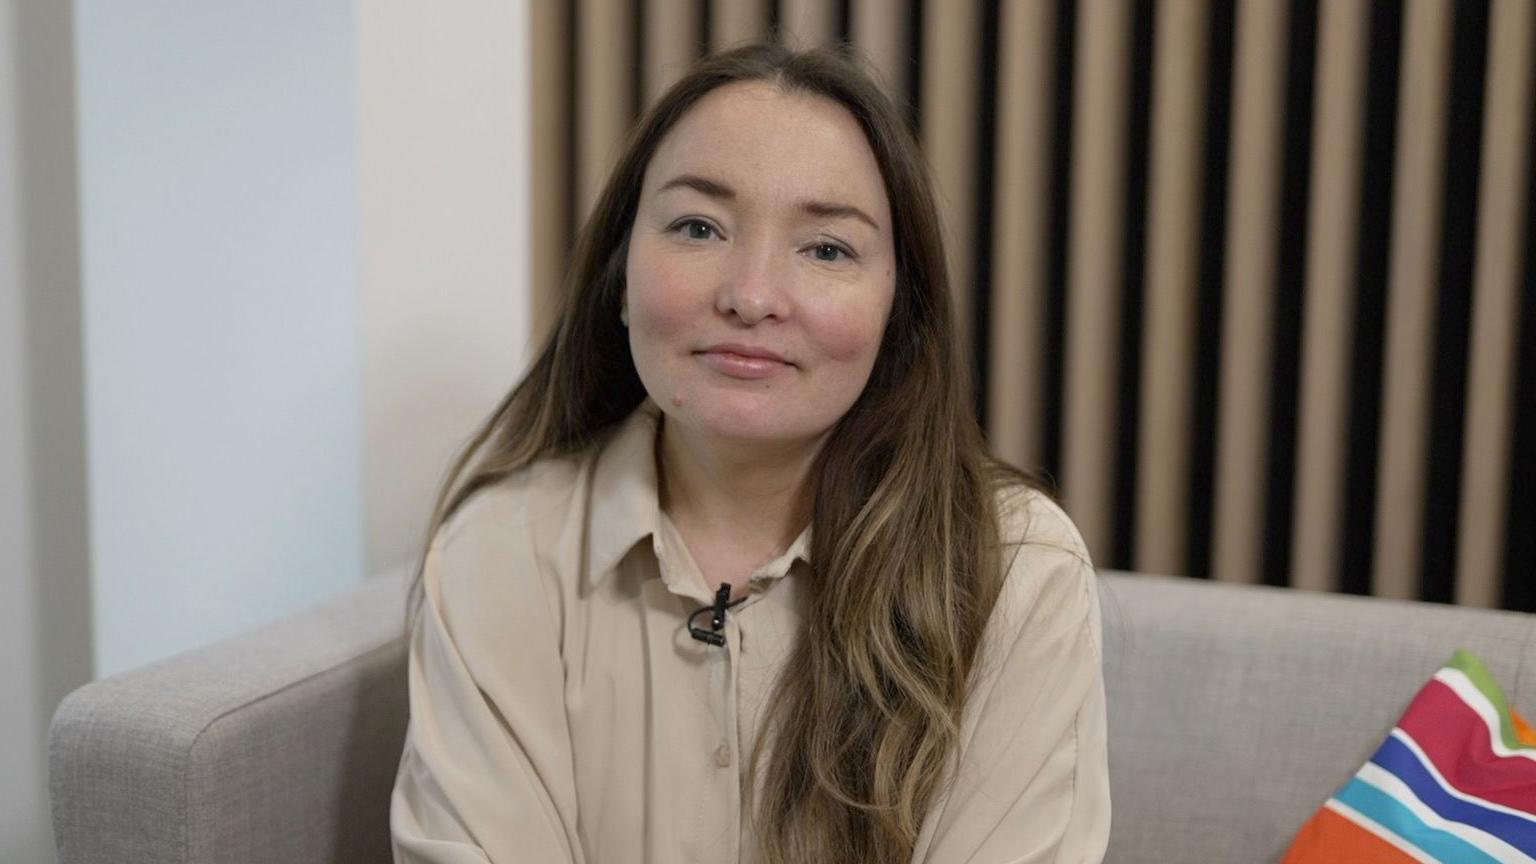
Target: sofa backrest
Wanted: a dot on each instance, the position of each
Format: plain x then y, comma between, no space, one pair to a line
1235,711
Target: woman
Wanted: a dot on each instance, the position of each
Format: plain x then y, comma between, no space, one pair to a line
730,575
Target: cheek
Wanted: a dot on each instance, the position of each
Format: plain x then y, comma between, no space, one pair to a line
850,334
660,302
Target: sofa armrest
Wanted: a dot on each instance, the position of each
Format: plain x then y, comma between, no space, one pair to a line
279,745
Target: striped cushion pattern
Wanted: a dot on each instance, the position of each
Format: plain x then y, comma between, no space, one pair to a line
1454,781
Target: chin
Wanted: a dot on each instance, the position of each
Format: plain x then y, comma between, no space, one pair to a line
750,416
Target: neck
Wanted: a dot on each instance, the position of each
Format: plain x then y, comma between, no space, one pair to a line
757,491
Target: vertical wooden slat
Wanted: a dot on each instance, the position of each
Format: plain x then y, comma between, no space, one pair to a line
1286,320
672,40
1024,105
735,21
1093,270
808,23
1216,155
1411,298
1495,304
1129,340
1173,265
1452,316
1333,223
1248,305
603,101
550,149
1372,271
949,139
880,33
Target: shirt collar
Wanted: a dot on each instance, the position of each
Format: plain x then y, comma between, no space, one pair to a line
626,504
624,491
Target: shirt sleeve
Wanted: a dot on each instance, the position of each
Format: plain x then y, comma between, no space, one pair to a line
486,773
1031,780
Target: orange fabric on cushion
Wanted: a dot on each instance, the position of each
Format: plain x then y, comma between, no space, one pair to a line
1523,730
1344,840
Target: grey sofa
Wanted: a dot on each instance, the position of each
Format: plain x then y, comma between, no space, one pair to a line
1234,712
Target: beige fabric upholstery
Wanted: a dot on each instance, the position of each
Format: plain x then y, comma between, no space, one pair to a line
276,746
1234,712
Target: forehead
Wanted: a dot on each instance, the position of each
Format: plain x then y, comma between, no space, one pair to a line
770,145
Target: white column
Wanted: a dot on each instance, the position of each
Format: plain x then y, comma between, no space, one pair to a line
444,255
45,633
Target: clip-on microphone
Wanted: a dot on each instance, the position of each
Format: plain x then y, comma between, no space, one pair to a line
717,620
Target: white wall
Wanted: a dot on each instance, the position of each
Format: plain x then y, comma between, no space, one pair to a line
216,171
443,138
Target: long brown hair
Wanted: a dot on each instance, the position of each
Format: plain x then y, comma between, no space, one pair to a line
905,559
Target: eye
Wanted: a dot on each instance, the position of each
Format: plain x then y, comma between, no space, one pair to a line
694,229
828,252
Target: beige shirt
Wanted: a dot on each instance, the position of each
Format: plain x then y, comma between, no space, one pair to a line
561,712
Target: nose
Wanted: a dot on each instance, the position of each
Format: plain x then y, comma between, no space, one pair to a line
755,284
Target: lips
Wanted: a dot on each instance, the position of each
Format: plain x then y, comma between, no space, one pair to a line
744,351
744,361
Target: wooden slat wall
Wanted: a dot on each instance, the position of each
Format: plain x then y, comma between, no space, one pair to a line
1250,280
1332,222
1021,195
1093,268
1173,268
1501,247
1410,311
1243,398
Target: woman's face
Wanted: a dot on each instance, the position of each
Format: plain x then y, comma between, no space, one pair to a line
761,267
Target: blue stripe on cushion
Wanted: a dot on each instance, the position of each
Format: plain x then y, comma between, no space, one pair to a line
1396,757
1393,816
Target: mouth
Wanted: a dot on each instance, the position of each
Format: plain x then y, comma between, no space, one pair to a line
744,361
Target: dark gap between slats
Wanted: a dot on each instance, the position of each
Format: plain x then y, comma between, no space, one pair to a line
706,26
640,73
1373,250
573,85
915,67
1128,396
1290,284
1520,526
1463,156
1213,251
986,194
844,21
1060,229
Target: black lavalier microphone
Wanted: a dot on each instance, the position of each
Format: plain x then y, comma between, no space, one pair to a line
714,636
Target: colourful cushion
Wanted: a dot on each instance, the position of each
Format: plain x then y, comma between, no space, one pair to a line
1454,781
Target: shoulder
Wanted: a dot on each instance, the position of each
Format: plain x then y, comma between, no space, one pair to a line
489,545
1049,583
513,504
1028,518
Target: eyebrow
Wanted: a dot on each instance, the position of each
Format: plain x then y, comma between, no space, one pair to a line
716,189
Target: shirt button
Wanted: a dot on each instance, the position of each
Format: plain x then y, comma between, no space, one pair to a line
723,755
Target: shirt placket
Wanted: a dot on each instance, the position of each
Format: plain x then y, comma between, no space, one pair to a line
719,837
725,683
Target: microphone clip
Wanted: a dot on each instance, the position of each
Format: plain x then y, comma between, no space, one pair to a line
713,636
